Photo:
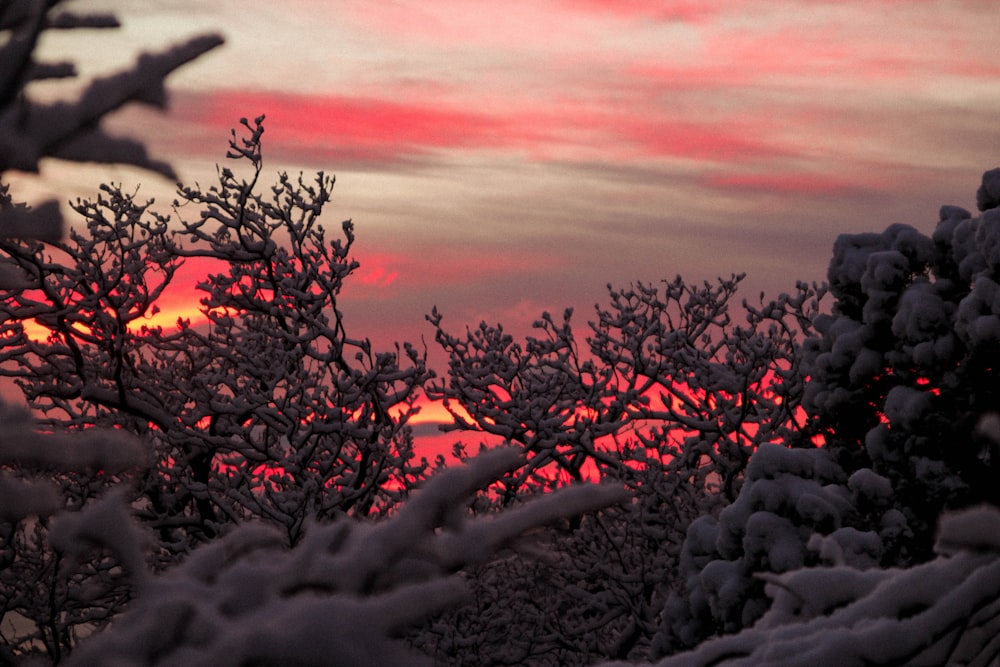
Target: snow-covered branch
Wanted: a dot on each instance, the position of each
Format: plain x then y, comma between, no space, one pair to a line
341,596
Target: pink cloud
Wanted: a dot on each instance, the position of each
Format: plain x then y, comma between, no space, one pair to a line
349,129
825,46
779,58
700,11
358,128
377,276
738,141
515,26
689,11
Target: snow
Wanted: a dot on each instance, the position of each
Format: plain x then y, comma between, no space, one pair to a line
340,597
848,546
945,611
988,427
922,314
19,499
978,318
865,483
67,128
25,449
773,542
988,195
976,529
792,510
106,523
906,406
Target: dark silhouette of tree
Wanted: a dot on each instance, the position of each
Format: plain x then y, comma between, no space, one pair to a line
901,386
269,410
904,371
45,597
669,396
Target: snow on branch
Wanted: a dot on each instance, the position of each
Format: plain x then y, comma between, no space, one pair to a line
69,129
339,597
24,452
946,611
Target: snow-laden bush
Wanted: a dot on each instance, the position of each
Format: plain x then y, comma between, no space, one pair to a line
907,364
797,508
942,612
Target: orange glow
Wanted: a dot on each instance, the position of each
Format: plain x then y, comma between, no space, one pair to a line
434,412
925,383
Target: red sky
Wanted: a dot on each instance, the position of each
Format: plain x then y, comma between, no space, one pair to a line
500,159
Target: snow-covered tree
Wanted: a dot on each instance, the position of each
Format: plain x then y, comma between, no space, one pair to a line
269,410
901,388
671,370
942,612
669,398
797,508
46,598
70,129
906,368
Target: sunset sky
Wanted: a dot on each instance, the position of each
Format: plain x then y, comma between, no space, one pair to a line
501,159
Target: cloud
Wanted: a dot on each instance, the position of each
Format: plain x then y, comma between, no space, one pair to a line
688,11
355,129
342,130
516,26
534,150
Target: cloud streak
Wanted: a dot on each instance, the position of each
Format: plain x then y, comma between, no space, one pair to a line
369,130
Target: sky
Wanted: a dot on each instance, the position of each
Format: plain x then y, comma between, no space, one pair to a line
504,159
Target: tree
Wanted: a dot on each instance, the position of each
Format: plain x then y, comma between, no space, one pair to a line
670,398
270,410
672,369
904,369
70,130
901,388
45,598
942,612
50,597
797,508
